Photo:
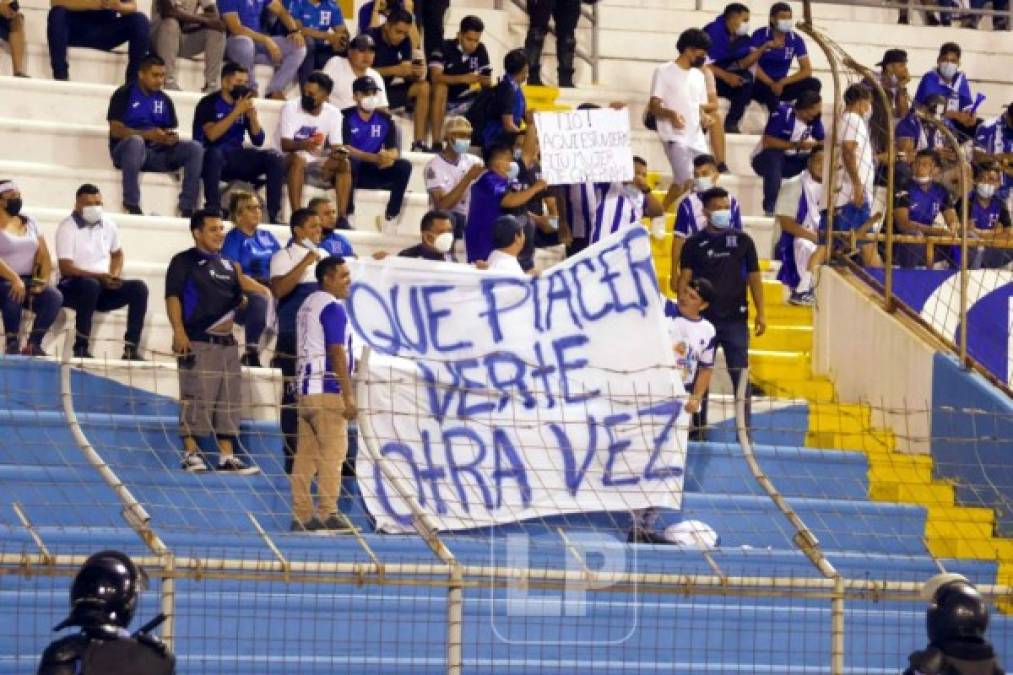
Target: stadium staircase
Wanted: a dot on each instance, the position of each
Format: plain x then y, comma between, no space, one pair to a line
877,513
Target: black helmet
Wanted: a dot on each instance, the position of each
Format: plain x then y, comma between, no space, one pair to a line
104,592
956,612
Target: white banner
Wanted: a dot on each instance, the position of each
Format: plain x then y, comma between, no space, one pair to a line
491,399
585,146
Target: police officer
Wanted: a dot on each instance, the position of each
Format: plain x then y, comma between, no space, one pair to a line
956,619
102,600
566,14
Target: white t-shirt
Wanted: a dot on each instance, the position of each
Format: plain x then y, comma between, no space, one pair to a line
340,70
90,247
854,128
504,262
18,250
320,323
285,260
693,344
296,124
441,174
683,91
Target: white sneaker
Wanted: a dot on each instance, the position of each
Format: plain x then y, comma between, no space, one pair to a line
388,226
193,463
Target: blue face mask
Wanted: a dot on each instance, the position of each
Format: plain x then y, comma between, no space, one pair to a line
461,145
721,219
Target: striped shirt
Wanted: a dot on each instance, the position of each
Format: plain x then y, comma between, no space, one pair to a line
690,218
596,210
321,324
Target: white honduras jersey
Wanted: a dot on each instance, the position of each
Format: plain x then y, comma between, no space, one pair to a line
443,175
619,205
694,346
321,323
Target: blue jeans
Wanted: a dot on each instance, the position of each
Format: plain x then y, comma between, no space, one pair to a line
96,29
774,166
246,164
46,306
247,53
132,156
254,318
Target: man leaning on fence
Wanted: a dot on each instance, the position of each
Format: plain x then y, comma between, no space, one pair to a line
202,293
326,400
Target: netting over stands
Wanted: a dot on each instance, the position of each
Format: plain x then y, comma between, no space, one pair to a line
819,556
891,254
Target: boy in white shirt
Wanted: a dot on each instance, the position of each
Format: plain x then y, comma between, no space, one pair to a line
508,238
692,338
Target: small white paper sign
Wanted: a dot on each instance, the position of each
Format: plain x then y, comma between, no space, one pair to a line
585,146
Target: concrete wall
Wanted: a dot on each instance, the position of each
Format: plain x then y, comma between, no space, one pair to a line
875,359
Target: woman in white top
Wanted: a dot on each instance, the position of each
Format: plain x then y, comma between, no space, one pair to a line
25,267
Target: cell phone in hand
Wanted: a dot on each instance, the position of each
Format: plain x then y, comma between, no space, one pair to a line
186,361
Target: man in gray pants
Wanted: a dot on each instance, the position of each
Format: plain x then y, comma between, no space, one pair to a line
186,28
202,293
247,45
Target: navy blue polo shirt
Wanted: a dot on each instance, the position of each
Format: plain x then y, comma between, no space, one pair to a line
138,110
924,202
785,125
725,49
508,99
213,108
925,136
372,135
248,11
777,62
389,55
207,286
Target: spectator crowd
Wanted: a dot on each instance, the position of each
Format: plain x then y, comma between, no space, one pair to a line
339,134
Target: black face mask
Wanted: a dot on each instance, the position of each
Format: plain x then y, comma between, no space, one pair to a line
699,61
239,91
13,206
309,103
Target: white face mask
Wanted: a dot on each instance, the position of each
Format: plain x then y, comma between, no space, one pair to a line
444,242
92,214
948,68
784,25
922,180
703,183
369,103
514,171
743,29
985,190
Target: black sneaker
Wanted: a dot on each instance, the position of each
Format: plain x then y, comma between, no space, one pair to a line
314,524
339,524
133,209
250,359
34,350
12,348
81,352
419,146
723,168
130,353
237,466
193,463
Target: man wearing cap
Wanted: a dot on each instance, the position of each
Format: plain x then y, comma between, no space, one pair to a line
344,71
371,138
248,46
994,141
450,174
894,78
